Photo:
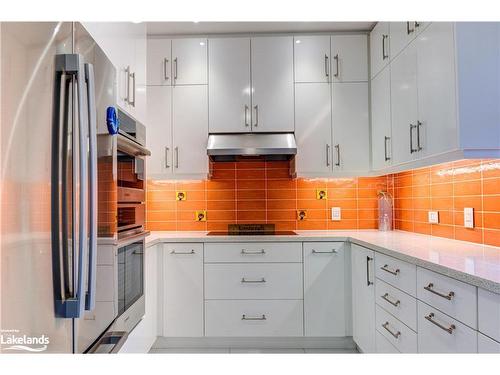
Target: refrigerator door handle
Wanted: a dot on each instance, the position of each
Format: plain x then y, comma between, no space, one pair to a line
92,122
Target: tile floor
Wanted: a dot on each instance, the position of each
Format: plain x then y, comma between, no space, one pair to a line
250,351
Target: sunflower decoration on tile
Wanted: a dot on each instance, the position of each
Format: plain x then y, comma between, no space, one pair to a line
301,215
180,195
201,215
321,194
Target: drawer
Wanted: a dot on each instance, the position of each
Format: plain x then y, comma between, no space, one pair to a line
398,303
489,313
398,334
255,318
400,274
453,297
487,345
383,345
254,281
439,333
251,252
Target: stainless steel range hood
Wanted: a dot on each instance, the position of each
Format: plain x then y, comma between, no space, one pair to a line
269,146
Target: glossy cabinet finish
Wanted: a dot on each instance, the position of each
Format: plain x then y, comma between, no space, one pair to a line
229,88
159,62
397,273
159,133
381,137
401,34
313,129
401,305
182,290
349,58
487,345
383,345
272,84
189,61
398,334
312,58
253,252
379,48
489,313
363,298
324,289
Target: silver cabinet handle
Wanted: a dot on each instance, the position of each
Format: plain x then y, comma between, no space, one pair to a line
127,74
447,329
132,102
258,252
386,157
448,296
166,157
337,162
419,146
386,269
332,251
256,107
385,297
175,69
327,155
183,252
408,30
394,334
253,281
244,317
176,157
384,55
336,58
165,71
368,260
327,73
416,24
412,150
246,116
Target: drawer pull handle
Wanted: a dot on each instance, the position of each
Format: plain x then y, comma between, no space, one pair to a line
182,252
261,280
244,317
394,334
448,296
385,297
447,329
386,269
258,252
333,251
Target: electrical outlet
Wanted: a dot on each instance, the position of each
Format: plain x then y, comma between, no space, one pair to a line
433,217
336,214
469,217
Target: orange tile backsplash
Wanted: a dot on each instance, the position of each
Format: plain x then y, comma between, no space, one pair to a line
448,188
262,192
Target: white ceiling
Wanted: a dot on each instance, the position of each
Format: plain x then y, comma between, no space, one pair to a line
183,28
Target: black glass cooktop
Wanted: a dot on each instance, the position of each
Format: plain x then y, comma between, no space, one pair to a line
251,230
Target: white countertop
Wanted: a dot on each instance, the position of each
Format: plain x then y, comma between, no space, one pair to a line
472,263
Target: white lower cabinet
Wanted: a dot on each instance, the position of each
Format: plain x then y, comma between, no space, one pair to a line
182,290
486,344
363,298
401,305
398,334
324,289
257,318
489,313
383,345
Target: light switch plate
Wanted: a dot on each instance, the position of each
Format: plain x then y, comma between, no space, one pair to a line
336,214
433,217
469,217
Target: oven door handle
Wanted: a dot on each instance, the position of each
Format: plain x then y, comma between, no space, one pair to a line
133,238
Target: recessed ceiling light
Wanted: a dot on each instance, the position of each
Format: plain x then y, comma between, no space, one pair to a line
196,21
202,43
297,41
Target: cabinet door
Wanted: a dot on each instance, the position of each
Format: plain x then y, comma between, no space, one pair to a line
190,129
272,84
437,110
229,89
312,58
139,79
487,345
379,47
363,298
189,61
313,128
351,127
404,106
159,62
349,58
159,133
182,290
401,34
324,289
381,119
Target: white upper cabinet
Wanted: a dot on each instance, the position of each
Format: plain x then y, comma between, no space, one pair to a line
349,62
189,61
229,88
401,34
313,129
351,127
379,47
190,129
312,58
159,62
404,106
139,79
272,84
381,120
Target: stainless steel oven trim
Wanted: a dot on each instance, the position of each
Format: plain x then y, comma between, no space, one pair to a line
130,147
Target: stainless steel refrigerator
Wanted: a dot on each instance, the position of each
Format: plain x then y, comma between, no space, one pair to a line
56,84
